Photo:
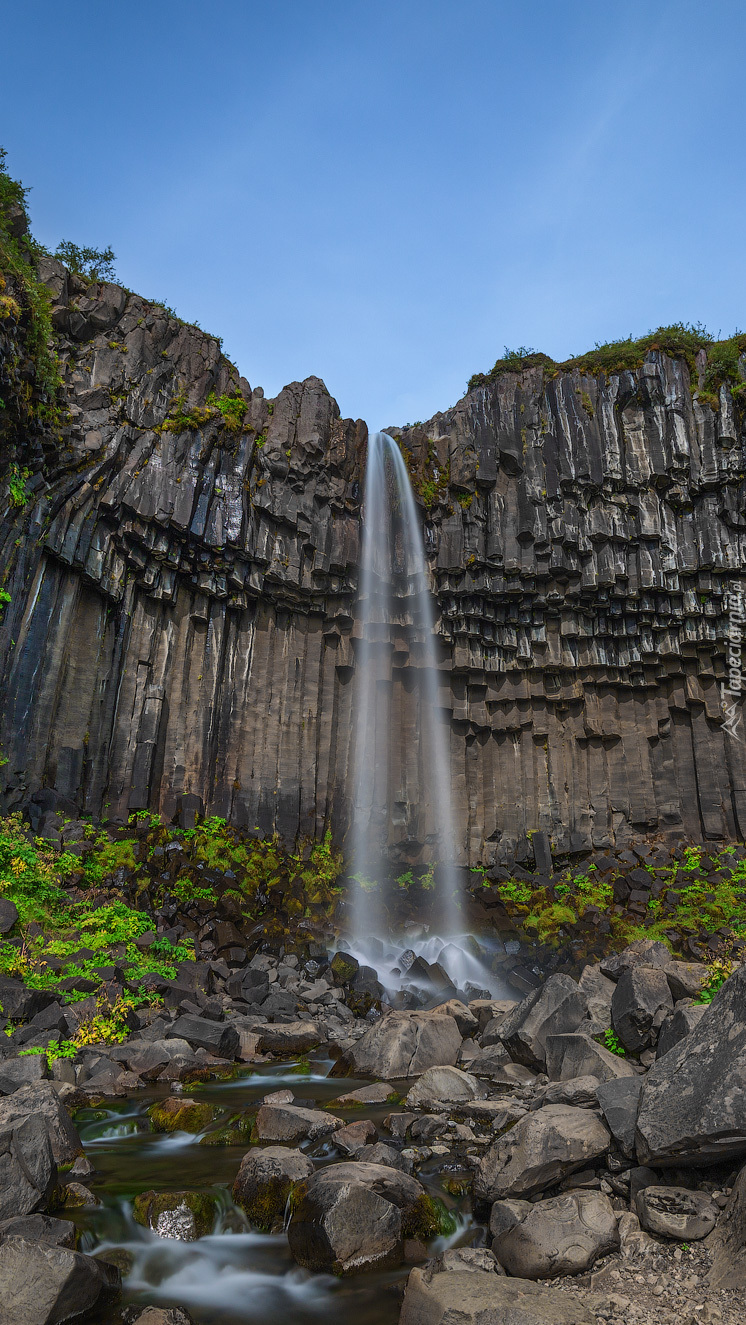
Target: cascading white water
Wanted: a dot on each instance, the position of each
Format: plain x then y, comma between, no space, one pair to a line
395,603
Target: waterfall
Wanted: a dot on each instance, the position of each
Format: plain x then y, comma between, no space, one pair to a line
396,619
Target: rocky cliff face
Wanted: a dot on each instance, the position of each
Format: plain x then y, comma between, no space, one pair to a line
183,580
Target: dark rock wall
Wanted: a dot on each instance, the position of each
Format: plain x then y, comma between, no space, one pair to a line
183,598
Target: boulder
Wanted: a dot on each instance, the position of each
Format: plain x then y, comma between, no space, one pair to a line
290,1123
402,1044
685,979
490,1009
596,986
465,1019
729,1261
642,1000
542,1148
693,1104
577,1055
564,1235
641,952
448,1084
8,915
20,1003
348,1218
676,1212
162,1316
21,1071
40,1097
290,1037
481,1297
579,1091
380,1153
28,1173
496,1066
265,1180
620,1099
218,1037
353,1136
179,1113
380,1093
44,1284
184,1216
557,1006
678,1025
40,1228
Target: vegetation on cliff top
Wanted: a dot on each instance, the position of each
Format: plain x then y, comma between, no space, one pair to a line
680,340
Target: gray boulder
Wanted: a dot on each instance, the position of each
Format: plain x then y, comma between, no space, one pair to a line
40,1097
218,1037
577,1055
685,979
542,1148
641,952
265,1180
675,1212
678,1025
693,1104
641,1002
481,1297
291,1037
564,1235
556,1006
497,1067
448,1084
465,1019
40,1228
729,1262
348,1218
620,1101
402,1044
291,1123
44,1284
28,1173
19,1071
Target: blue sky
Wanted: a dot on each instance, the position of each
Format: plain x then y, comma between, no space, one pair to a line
387,192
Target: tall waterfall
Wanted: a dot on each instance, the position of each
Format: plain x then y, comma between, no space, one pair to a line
396,609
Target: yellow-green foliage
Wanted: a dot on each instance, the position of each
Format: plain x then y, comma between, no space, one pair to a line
230,410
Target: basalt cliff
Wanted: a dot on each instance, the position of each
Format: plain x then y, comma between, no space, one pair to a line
181,556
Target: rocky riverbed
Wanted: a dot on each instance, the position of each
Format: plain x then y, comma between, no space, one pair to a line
485,1155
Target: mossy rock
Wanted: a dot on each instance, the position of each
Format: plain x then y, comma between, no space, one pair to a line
119,1257
459,1184
428,1218
266,1181
343,967
236,1132
180,1114
185,1216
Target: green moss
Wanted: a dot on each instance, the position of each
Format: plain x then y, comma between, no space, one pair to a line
236,1132
428,1218
180,1114
263,1202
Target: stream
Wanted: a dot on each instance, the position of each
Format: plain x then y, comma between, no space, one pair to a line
235,1276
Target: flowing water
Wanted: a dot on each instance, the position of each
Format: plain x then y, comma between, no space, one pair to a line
236,1276
396,616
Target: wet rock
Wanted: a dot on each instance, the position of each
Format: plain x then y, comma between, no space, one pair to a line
161,1316
620,1101
40,1098
570,1056
28,1173
495,1065
380,1153
675,1212
265,1180
44,1284
353,1136
349,1218
693,1105
480,1297
402,1044
542,1148
290,1123
344,967
292,1037
178,1113
184,1216
642,1000
40,1228
557,1006
218,1037
448,1084
380,1093
678,1025
564,1235
729,1261
75,1195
